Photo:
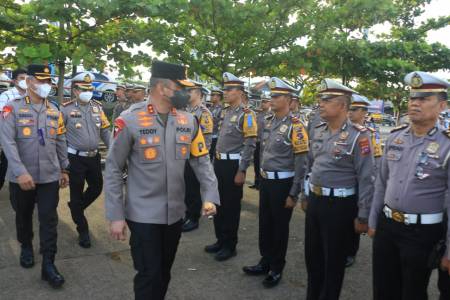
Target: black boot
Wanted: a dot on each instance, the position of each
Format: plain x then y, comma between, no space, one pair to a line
27,256
189,225
84,240
50,273
213,248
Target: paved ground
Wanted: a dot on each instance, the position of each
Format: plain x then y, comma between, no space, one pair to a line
105,271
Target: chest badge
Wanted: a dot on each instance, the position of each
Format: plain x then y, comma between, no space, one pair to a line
283,128
343,136
78,125
398,141
432,148
233,118
95,109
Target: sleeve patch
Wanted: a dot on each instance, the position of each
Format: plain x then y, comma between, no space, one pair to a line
198,145
250,128
119,125
364,146
61,126
300,141
104,119
7,109
206,123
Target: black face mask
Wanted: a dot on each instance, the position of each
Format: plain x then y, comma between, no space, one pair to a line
180,99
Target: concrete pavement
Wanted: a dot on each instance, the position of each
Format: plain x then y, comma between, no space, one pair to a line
105,271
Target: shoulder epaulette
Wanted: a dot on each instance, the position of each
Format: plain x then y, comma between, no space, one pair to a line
321,124
359,127
246,109
295,119
268,116
97,102
446,133
403,126
55,103
67,103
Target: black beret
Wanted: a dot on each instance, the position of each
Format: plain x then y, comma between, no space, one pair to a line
175,72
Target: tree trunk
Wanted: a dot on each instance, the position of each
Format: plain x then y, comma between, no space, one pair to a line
61,68
74,70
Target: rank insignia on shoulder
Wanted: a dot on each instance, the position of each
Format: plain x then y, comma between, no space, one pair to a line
403,126
359,127
67,103
447,133
321,124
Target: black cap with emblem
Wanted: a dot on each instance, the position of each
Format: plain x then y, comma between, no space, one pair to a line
175,72
41,72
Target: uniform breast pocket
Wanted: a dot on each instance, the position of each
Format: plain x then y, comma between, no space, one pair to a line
25,131
150,149
183,146
393,155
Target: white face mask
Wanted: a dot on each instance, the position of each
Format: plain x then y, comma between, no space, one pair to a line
22,84
42,90
85,96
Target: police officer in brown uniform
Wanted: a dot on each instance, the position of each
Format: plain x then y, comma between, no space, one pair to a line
122,101
156,140
235,147
138,93
341,189
86,124
192,196
284,148
358,114
261,115
407,212
33,138
216,111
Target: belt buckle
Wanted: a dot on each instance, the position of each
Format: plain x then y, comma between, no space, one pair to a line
398,216
264,174
317,190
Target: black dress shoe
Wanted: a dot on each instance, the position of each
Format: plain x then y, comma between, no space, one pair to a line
225,254
189,225
272,279
349,261
51,274
214,248
27,257
256,270
84,240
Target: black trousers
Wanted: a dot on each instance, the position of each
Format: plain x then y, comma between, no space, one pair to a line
84,169
256,163
400,258
153,249
192,197
212,151
329,225
3,168
353,243
46,196
274,221
444,285
226,221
